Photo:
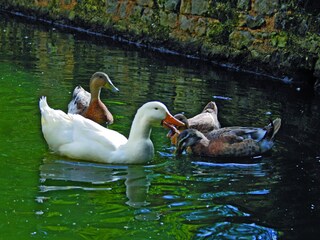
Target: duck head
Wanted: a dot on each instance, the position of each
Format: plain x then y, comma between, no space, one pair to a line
101,80
182,118
187,138
175,130
155,112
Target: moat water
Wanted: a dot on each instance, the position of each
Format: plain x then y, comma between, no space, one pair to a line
46,196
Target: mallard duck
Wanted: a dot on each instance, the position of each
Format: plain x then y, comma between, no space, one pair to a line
88,104
204,122
74,136
229,141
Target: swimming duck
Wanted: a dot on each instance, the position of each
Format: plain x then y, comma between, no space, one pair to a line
88,104
230,141
77,137
207,120
204,122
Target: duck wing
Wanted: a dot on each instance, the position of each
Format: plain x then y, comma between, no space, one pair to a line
80,101
88,131
75,136
256,134
204,122
207,120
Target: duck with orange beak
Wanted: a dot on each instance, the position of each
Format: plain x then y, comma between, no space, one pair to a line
77,137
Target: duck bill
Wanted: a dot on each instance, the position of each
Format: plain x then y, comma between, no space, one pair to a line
109,85
170,121
172,129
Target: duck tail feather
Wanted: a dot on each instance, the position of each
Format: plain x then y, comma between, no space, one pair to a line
76,90
211,105
43,103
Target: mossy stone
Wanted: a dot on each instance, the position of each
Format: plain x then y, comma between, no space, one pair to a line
254,22
200,7
172,5
279,39
266,7
241,39
244,5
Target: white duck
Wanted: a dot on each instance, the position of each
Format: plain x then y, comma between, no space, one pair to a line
77,137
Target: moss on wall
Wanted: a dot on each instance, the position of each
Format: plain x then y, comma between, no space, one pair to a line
274,36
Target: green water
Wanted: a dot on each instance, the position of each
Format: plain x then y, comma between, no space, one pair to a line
45,196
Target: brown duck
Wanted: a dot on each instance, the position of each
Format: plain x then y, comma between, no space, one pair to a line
88,104
229,141
204,122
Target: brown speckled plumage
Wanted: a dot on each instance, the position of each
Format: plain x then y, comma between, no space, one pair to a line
229,142
204,122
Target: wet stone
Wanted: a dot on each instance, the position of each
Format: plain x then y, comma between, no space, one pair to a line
254,22
200,7
244,5
280,20
172,5
146,3
185,23
111,6
168,19
267,7
185,7
241,39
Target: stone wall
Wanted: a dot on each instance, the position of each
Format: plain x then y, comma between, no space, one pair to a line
278,37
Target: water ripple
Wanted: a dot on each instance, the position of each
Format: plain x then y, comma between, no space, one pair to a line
229,165
59,188
215,212
227,230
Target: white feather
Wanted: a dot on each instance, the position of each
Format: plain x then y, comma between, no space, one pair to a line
77,137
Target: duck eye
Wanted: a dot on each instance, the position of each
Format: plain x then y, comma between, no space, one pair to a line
156,108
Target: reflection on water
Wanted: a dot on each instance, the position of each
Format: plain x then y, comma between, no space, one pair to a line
188,197
192,202
97,175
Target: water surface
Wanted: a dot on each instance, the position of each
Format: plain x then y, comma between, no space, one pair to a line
46,196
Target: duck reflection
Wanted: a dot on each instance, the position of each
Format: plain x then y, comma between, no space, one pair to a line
96,176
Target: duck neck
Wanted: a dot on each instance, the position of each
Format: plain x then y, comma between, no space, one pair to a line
140,129
205,144
95,93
